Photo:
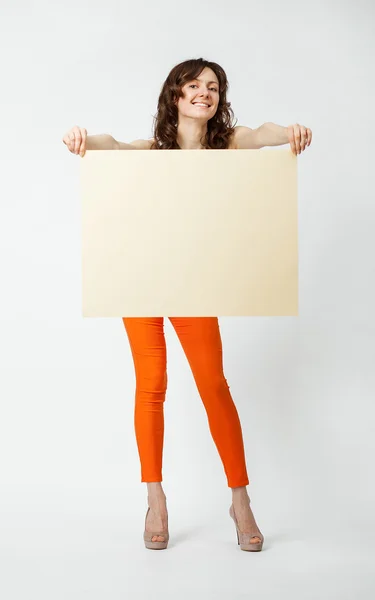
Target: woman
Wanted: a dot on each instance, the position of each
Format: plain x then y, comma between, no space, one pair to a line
193,114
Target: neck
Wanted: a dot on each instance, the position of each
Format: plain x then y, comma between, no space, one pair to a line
189,134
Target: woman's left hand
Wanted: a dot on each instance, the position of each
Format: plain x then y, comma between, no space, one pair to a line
299,137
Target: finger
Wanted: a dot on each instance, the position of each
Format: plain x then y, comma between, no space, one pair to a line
291,139
78,139
72,138
303,138
67,140
82,149
309,136
297,137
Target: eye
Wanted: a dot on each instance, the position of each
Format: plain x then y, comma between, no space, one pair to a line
194,84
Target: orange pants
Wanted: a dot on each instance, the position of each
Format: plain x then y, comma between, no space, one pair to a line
201,341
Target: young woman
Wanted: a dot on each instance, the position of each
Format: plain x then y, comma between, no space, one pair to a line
193,114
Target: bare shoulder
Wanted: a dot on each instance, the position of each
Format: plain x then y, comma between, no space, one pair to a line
233,141
245,138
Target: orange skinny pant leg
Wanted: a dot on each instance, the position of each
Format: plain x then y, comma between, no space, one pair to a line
201,341
147,343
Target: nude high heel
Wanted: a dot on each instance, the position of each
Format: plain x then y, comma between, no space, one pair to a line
148,535
243,539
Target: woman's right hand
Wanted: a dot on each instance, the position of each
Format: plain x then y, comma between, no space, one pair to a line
75,139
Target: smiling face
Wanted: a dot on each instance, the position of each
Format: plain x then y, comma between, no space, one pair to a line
204,90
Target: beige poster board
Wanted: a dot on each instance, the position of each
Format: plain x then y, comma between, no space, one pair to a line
189,233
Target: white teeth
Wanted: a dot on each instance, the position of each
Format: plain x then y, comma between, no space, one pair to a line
200,104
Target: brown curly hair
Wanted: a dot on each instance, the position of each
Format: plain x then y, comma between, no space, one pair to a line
219,127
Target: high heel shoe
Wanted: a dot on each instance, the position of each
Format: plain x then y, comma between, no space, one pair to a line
148,535
243,539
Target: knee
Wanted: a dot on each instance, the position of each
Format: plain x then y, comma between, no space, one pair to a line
152,386
215,384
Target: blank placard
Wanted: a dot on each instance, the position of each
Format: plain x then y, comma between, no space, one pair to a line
189,233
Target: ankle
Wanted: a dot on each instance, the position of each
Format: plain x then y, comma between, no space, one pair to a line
155,493
240,494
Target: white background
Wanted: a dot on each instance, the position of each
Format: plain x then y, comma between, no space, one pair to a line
71,503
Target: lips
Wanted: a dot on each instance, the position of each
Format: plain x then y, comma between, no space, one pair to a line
208,105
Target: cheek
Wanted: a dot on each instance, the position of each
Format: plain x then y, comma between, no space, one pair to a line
186,102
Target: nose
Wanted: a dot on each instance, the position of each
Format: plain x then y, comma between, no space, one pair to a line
205,95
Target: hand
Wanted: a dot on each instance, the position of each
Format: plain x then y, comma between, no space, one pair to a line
75,139
299,137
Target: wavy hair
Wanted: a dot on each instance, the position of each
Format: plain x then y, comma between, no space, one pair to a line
219,128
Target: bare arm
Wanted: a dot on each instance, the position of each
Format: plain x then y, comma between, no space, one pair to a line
77,141
271,134
268,134
104,141
135,145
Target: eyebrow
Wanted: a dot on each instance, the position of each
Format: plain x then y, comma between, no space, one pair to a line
197,79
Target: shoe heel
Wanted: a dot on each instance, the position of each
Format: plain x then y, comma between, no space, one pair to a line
231,513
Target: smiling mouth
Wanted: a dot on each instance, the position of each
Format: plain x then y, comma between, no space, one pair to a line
201,105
